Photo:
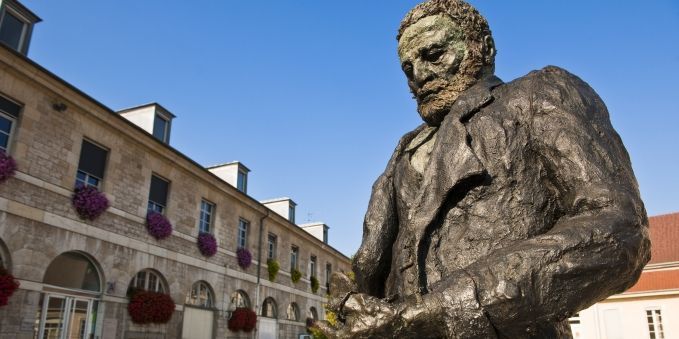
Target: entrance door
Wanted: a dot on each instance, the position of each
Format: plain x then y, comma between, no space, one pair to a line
267,328
197,323
66,317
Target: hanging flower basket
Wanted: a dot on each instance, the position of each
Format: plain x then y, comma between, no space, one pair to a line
88,202
273,267
244,257
295,275
150,308
242,319
207,244
7,286
158,225
7,166
313,281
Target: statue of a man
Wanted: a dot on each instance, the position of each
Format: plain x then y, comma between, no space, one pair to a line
511,208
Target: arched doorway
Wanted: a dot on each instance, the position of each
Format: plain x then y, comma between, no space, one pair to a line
70,300
268,325
199,312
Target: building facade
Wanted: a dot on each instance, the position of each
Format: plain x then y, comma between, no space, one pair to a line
77,274
650,308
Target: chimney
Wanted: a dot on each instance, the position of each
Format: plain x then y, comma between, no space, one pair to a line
153,118
283,206
318,230
16,25
235,173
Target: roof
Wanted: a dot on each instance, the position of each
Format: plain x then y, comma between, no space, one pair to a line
656,280
664,232
268,201
151,104
235,162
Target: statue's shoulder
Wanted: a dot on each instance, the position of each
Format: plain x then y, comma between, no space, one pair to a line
554,86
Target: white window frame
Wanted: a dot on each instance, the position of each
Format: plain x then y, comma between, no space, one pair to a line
271,247
243,183
209,213
24,30
656,316
159,285
10,136
166,130
195,297
243,230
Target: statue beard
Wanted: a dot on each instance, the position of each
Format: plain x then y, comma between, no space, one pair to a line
434,107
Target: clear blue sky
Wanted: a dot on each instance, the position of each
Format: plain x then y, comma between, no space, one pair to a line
310,96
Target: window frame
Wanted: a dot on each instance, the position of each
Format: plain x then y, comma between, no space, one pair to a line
328,273
242,235
156,204
242,184
291,213
14,120
210,214
166,130
656,318
193,298
313,263
294,257
25,29
271,246
147,272
88,176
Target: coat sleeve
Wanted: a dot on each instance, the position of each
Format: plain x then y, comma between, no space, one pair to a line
372,261
599,244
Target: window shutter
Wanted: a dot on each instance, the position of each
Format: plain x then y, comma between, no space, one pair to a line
159,188
92,159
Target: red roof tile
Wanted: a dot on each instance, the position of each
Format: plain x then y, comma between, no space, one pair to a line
664,230
656,280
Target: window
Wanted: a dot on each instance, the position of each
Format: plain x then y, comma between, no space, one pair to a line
294,253
312,266
654,319
242,181
269,308
272,246
291,214
147,280
325,235
328,273
313,314
243,233
158,194
206,212
293,312
74,271
13,29
575,319
9,112
161,128
91,165
239,299
201,295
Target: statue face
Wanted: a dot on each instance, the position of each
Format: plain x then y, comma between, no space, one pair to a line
434,57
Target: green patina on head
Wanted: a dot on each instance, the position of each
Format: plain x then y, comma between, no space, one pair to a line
445,46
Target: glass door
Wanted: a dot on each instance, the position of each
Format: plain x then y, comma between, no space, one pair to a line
66,317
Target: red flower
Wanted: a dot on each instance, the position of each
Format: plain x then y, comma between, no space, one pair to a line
7,286
150,307
243,319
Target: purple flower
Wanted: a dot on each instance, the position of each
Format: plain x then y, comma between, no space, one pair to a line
89,202
244,257
207,244
7,166
158,226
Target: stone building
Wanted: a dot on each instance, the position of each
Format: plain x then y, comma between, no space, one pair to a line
650,308
76,274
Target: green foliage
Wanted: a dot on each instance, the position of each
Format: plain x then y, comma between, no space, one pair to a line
316,333
295,275
273,267
314,284
351,276
331,318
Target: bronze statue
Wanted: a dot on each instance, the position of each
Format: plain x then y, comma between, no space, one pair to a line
511,208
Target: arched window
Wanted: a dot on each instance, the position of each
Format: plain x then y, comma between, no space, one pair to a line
148,280
74,271
239,299
200,295
269,308
313,314
293,312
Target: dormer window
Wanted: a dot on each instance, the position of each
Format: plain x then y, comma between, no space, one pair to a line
161,128
242,182
291,213
16,24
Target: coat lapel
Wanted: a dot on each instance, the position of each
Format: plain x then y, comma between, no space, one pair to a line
451,166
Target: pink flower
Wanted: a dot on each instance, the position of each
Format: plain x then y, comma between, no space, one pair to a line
7,166
244,257
158,226
89,202
207,244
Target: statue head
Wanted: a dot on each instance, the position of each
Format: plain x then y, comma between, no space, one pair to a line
445,47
